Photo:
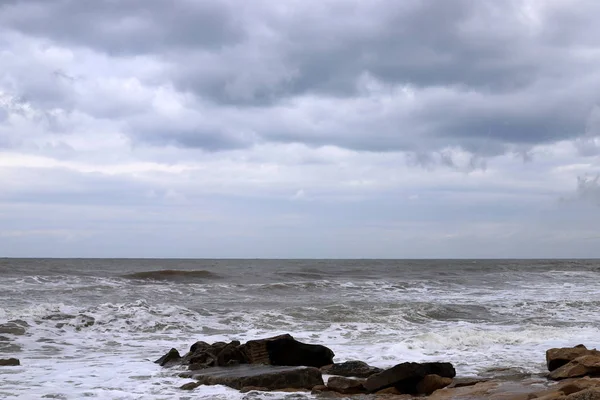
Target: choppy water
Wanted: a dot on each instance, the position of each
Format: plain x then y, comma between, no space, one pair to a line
91,328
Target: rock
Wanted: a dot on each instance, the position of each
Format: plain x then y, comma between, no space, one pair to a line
431,383
357,369
344,385
16,327
266,376
551,396
460,382
406,376
247,389
480,390
558,357
391,390
319,389
190,386
285,350
588,365
231,354
171,358
9,362
588,394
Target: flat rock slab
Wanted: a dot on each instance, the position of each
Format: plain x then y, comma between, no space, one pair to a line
264,376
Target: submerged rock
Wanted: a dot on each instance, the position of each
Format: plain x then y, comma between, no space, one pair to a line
16,327
406,376
9,362
263,376
285,350
357,369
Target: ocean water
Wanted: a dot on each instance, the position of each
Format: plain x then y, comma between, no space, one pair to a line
92,328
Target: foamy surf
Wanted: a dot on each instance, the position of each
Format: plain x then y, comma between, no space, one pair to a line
83,335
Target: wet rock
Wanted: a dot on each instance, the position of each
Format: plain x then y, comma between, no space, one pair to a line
231,354
247,389
270,377
406,376
431,383
319,389
357,369
345,385
558,357
203,355
588,365
285,350
169,359
9,362
14,327
190,386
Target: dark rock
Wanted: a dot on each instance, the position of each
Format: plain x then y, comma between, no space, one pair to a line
358,369
9,362
231,354
284,350
558,357
344,385
319,389
588,365
190,386
247,389
199,346
431,383
169,359
406,376
269,377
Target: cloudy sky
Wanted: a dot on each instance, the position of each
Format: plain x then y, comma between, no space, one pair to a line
325,128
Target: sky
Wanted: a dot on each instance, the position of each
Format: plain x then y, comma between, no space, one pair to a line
300,128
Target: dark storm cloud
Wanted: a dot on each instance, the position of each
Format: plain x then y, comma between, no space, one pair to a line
513,76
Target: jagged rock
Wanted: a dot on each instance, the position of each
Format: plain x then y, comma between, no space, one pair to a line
270,377
588,365
220,354
460,382
588,394
357,369
9,362
171,358
557,357
431,383
344,385
285,350
406,376
231,354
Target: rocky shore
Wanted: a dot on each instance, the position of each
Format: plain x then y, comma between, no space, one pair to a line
282,363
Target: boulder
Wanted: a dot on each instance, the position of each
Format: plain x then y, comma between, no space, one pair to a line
357,369
264,376
558,357
431,383
171,358
9,362
220,354
588,365
345,385
406,376
284,350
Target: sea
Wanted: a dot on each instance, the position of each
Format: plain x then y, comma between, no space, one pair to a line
91,328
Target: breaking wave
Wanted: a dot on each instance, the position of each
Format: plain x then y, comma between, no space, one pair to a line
174,275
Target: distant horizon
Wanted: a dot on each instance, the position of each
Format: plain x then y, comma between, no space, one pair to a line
309,258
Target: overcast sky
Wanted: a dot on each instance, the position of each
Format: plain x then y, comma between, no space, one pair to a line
325,128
